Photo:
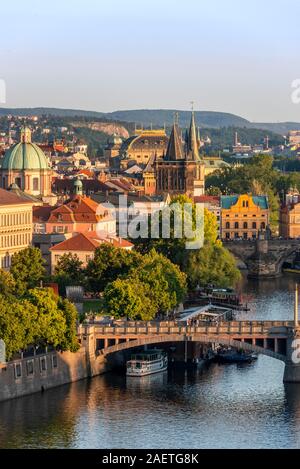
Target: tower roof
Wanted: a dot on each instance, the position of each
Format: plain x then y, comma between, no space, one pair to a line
174,150
192,153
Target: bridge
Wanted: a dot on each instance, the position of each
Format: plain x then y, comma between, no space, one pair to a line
263,257
271,338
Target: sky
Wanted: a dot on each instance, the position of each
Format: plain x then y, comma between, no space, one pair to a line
106,55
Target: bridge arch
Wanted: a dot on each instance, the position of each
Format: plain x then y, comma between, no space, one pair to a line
235,343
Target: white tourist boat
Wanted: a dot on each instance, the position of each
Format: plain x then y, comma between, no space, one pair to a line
147,363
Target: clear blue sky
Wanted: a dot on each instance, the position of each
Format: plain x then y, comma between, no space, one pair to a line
226,55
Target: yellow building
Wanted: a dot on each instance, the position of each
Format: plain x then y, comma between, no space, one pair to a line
243,216
15,226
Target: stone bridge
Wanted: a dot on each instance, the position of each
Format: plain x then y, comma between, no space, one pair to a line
271,338
263,257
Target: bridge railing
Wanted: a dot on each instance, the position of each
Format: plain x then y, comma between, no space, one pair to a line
152,328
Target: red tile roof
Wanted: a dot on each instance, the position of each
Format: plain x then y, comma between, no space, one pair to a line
8,198
89,241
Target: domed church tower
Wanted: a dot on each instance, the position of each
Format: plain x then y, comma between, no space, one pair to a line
26,165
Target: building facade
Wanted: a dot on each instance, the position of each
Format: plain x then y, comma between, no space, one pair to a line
243,216
181,170
15,226
289,216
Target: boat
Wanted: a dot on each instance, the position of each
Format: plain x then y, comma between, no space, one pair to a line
235,356
147,363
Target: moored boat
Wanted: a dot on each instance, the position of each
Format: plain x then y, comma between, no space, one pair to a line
147,363
235,356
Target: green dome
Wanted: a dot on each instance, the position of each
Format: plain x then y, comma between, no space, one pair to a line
23,156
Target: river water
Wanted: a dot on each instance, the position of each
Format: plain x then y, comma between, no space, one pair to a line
223,406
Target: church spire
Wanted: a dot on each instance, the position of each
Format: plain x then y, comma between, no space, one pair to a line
192,153
174,150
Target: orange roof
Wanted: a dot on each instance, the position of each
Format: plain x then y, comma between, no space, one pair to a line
9,198
79,209
89,241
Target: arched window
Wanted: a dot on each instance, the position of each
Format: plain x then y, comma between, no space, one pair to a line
227,225
245,225
254,226
236,225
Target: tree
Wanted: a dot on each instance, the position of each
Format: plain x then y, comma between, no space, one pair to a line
109,264
70,340
125,298
213,264
167,284
68,271
7,283
27,268
50,327
17,322
70,265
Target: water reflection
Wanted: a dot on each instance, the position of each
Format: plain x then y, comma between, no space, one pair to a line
227,406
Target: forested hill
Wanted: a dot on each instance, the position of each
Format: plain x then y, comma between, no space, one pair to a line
159,117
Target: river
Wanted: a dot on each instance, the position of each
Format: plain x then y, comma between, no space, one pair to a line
224,406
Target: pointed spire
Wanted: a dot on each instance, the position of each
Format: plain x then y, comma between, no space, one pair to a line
174,150
192,152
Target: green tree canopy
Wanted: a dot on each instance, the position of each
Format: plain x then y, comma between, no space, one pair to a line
27,268
7,283
167,284
125,298
109,264
213,264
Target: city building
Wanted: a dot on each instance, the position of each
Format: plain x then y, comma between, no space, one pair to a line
26,165
289,216
294,137
79,214
112,151
84,246
181,170
211,203
243,216
142,146
15,226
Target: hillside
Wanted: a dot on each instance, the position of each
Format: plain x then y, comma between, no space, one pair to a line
159,117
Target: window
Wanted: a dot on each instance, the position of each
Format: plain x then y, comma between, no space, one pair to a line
245,225
43,364
18,182
236,235
35,184
245,236
254,225
227,235
29,366
236,225
54,361
263,225
245,203
227,225
18,370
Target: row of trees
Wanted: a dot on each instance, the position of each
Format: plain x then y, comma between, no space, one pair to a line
30,315
132,285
